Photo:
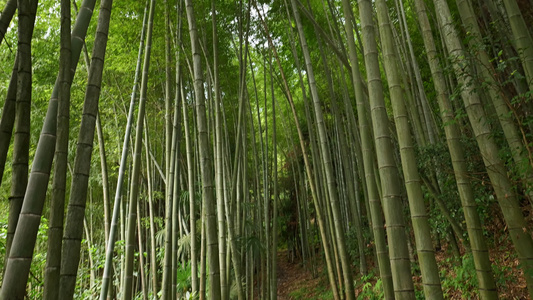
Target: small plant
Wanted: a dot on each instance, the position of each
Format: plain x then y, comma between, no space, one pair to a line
184,280
503,274
371,291
464,281
325,294
298,294
189,296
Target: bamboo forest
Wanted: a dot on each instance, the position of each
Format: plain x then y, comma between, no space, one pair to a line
266,149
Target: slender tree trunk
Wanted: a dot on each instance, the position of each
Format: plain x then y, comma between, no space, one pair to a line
205,162
419,216
7,121
192,206
427,117
17,271
365,132
21,143
274,255
390,181
105,177
153,257
177,231
259,206
266,191
57,207
203,263
6,17
88,238
314,156
134,193
254,214
311,179
167,259
522,39
218,163
505,116
123,226
107,277
230,225
167,266
501,183
331,184
350,194
78,193
144,287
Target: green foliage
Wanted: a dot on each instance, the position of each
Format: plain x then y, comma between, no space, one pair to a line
505,275
371,290
352,243
90,292
324,292
460,278
253,244
184,246
184,284
437,157
298,294
184,277
3,236
321,291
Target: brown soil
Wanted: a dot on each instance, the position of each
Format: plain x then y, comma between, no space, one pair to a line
298,280
292,276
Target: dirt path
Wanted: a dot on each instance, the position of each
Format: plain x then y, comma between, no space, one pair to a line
293,277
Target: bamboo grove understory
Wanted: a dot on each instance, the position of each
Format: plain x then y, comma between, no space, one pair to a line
385,146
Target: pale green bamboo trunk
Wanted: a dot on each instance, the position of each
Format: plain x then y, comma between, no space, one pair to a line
419,216
191,191
262,261
326,160
205,161
505,116
266,190
177,227
311,179
344,159
105,177
218,163
127,288
274,254
108,265
167,260
522,38
497,172
232,201
376,210
144,288
153,257
390,181
428,120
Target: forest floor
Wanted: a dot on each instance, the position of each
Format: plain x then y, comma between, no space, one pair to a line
296,281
